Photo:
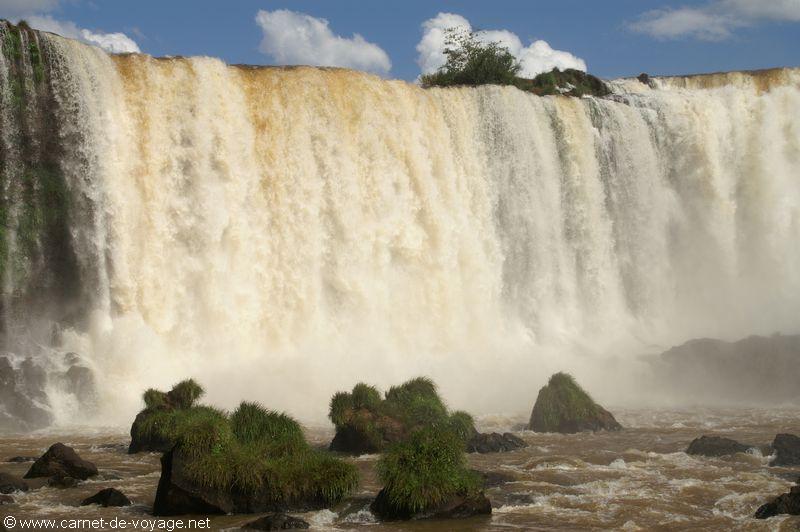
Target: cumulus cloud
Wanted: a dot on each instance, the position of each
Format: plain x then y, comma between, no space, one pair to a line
116,43
293,38
716,20
535,58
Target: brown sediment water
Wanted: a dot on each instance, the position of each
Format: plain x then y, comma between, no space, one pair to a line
636,479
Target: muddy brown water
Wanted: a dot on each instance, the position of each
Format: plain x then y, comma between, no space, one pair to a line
637,479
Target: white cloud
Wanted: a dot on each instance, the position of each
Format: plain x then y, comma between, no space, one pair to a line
716,20
535,58
110,42
297,38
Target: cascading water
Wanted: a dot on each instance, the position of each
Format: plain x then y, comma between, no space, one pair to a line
280,233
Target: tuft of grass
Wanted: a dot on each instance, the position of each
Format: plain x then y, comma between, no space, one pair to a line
425,471
170,425
462,424
185,393
341,408
154,399
254,425
365,396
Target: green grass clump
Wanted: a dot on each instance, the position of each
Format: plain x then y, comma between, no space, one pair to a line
154,399
561,401
570,82
168,425
185,393
425,471
361,415
252,424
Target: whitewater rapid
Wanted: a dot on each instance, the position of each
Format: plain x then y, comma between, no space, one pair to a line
280,233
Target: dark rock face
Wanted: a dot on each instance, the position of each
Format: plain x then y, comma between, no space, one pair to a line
494,442
178,495
21,388
277,522
458,507
787,450
61,460
787,503
563,406
715,446
645,79
6,499
107,497
10,484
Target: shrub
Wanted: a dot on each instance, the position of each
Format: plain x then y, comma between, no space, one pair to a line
425,471
185,393
471,61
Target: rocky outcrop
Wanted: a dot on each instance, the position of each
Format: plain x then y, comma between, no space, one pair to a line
10,484
494,442
715,446
563,406
787,503
107,497
754,370
277,522
457,507
61,460
787,450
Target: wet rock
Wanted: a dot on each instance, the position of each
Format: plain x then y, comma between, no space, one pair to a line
6,499
645,79
457,507
80,381
493,479
61,460
10,484
494,442
563,406
277,522
107,497
787,450
21,459
177,495
787,503
62,481
715,446
22,394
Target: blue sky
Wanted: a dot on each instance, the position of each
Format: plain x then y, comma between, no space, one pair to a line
612,38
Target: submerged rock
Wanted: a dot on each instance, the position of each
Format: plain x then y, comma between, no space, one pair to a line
10,484
62,481
715,446
457,507
277,522
494,442
787,450
563,406
21,459
6,499
787,503
107,497
61,460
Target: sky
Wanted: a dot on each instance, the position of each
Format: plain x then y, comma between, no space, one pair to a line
404,38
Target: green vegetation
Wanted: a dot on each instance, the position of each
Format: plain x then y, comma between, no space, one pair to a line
563,406
472,62
426,471
366,423
254,450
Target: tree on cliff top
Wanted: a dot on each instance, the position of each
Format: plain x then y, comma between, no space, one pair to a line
473,62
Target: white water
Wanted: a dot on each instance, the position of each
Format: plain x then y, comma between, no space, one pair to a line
282,233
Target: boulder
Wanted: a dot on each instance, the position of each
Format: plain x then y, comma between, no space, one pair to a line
10,484
494,442
21,394
61,460
715,446
177,495
458,507
787,450
107,497
787,503
62,481
277,522
563,406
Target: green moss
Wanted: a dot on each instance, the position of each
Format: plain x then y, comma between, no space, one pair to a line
569,82
426,471
562,400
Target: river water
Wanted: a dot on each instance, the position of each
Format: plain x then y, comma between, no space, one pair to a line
637,479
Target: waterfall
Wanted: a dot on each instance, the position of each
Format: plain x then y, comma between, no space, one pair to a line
280,233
